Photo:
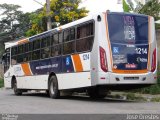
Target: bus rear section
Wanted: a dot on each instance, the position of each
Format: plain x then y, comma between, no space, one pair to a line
127,52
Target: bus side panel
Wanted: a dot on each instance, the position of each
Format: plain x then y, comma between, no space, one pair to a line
32,82
98,75
7,82
74,80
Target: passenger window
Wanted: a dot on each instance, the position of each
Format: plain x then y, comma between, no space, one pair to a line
85,30
14,51
20,58
27,57
60,37
54,39
26,47
56,50
66,35
84,44
45,42
20,49
45,53
72,34
36,44
69,47
14,60
36,55
85,37
30,46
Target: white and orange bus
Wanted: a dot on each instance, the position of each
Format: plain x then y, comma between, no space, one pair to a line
106,51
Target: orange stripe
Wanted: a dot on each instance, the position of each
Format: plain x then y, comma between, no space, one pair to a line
26,69
108,40
130,71
149,40
23,41
77,63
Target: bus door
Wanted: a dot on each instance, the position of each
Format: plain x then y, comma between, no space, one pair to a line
6,60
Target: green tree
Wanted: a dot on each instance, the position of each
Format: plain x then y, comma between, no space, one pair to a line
151,8
62,12
126,6
13,23
36,21
8,23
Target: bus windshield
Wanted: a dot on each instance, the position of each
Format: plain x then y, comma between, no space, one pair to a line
128,35
126,28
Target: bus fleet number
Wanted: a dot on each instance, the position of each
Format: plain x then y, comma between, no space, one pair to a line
141,51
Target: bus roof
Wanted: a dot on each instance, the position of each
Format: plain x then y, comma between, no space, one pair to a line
87,18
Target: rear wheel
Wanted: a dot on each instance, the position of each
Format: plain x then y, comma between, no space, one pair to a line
53,88
16,90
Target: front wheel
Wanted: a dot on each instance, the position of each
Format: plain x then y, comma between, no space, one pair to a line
53,88
16,90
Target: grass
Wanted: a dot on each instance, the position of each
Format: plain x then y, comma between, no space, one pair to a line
132,96
1,83
157,99
153,90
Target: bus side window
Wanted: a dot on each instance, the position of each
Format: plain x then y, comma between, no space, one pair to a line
66,35
45,52
20,58
69,41
54,39
26,47
84,37
20,49
56,50
14,50
30,46
14,60
72,34
60,34
36,55
45,41
27,57
36,44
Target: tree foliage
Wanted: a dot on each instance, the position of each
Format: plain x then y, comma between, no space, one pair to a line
151,8
13,23
126,7
36,23
62,12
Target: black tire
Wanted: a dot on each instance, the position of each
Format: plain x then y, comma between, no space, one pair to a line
54,93
47,92
17,91
94,93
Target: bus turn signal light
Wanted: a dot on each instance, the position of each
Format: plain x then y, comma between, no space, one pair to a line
103,59
153,67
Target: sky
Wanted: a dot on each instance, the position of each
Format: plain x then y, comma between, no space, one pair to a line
93,6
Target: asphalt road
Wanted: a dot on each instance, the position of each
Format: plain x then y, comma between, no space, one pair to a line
39,103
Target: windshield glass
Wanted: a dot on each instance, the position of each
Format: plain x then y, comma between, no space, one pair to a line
129,41
127,28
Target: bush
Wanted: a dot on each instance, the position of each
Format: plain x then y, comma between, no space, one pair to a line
157,99
154,89
1,83
132,96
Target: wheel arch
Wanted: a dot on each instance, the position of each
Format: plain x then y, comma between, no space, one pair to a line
13,80
50,75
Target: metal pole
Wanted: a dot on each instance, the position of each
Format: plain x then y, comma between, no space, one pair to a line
49,26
